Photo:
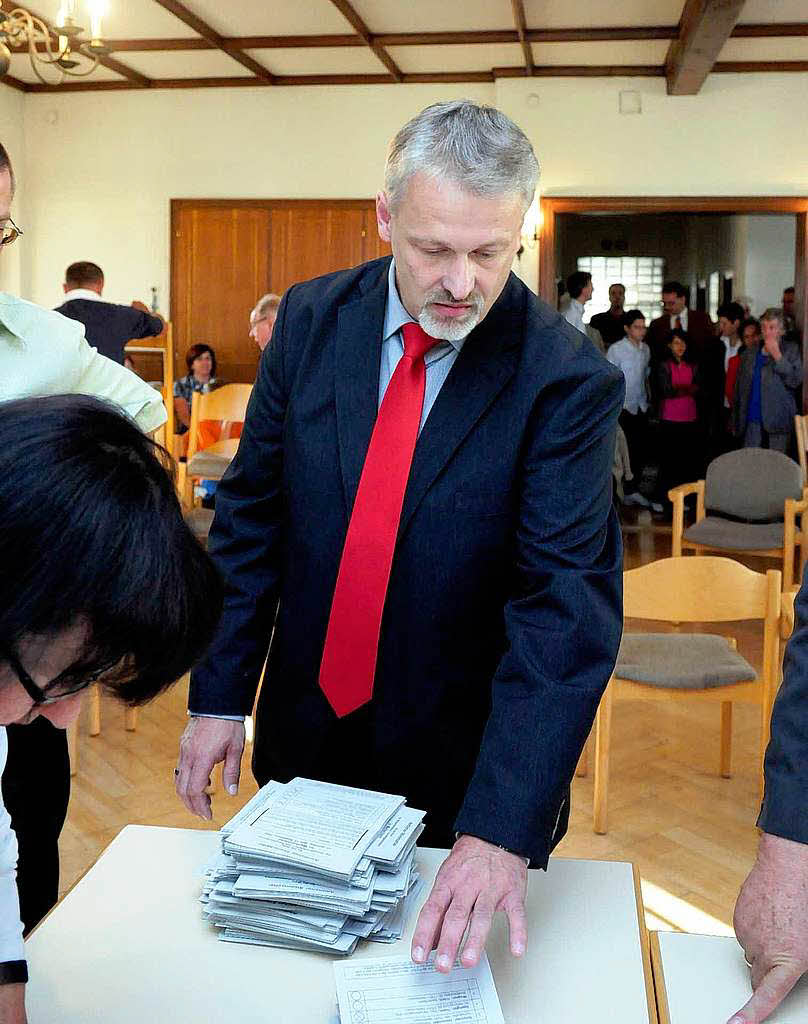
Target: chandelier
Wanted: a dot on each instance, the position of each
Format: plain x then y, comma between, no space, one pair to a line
52,59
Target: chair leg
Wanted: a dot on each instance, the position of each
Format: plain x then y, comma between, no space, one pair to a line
73,747
94,709
130,719
603,729
726,739
583,761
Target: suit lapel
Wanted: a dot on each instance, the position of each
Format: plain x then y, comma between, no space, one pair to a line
486,363
358,353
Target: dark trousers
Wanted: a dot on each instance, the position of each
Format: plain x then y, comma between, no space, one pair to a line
680,455
36,791
635,427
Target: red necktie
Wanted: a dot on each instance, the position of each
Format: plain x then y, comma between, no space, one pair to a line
351,642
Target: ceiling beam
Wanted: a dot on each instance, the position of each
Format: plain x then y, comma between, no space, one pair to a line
201,27
15,83
135,77
361,29
518,8
552,35
704,27
542,71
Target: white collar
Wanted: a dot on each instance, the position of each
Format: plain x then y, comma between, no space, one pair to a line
82,293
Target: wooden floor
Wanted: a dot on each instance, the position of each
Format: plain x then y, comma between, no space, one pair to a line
691,833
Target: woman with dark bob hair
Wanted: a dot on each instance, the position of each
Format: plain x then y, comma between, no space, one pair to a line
101,580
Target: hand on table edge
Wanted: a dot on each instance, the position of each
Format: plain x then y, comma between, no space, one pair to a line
12,1004
476,880
771,923
206,742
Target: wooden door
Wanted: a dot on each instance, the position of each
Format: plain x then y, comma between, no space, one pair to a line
225,254
219,269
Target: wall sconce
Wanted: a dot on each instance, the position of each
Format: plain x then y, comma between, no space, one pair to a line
532,225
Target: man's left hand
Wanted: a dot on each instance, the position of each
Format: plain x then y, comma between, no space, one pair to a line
771,922
475,881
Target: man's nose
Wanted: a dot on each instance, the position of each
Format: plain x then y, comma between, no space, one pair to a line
459,278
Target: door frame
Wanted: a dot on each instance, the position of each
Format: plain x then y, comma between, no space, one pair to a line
551,206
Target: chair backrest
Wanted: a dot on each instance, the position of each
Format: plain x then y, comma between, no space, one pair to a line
801,430
701,589
228,402
752,484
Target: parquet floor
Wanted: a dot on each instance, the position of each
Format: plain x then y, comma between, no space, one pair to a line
691,833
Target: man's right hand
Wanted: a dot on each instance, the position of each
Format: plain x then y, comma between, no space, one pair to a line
206,742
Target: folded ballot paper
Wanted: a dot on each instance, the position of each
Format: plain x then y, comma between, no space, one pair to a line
310,865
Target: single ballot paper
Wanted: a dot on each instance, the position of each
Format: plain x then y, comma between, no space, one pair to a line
394,990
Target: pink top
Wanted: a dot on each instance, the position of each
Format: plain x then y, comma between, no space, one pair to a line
682,408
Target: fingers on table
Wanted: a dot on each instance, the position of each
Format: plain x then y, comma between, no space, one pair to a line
190,783
480,925
232,768
427,927
514,907
455,922
769,992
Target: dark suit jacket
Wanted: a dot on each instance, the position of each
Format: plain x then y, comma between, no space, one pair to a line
700,331
503,610
779,382
785,808
108,326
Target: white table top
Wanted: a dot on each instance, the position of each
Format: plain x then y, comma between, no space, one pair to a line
702,979
128,946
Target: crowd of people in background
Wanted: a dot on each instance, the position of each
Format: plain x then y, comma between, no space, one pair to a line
695,389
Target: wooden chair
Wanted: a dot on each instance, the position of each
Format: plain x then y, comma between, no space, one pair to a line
692,666
801,430
757,495
162,345
93,706
229,405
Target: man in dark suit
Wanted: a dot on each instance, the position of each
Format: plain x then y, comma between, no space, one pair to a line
700,328
107,325
448,640
771,915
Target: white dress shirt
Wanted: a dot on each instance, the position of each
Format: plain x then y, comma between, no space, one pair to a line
11,946
681,317
633,360
574,314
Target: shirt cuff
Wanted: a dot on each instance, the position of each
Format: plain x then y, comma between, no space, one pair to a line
13,972
203,714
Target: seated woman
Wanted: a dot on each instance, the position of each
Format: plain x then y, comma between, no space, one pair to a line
101,581
201,377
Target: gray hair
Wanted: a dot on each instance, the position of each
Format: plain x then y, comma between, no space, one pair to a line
774,313
267,302
475,146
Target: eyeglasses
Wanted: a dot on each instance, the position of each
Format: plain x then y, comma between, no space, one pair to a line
10,233
67,686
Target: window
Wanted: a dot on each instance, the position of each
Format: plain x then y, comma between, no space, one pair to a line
642,276
713,293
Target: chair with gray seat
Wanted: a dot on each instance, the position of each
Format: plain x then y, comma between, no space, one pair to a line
692,666
749,503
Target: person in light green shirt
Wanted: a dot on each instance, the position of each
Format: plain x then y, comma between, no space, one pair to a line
44,353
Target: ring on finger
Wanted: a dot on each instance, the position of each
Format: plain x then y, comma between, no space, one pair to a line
176,772
748,961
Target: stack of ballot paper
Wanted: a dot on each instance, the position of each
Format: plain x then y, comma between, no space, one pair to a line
310,865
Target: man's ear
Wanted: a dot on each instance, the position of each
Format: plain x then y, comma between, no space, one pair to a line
383,216
65,287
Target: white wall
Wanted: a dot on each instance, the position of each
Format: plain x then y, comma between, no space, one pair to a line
12,135
101,177
770,246
101,168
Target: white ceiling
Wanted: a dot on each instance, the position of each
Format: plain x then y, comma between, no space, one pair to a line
147,19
